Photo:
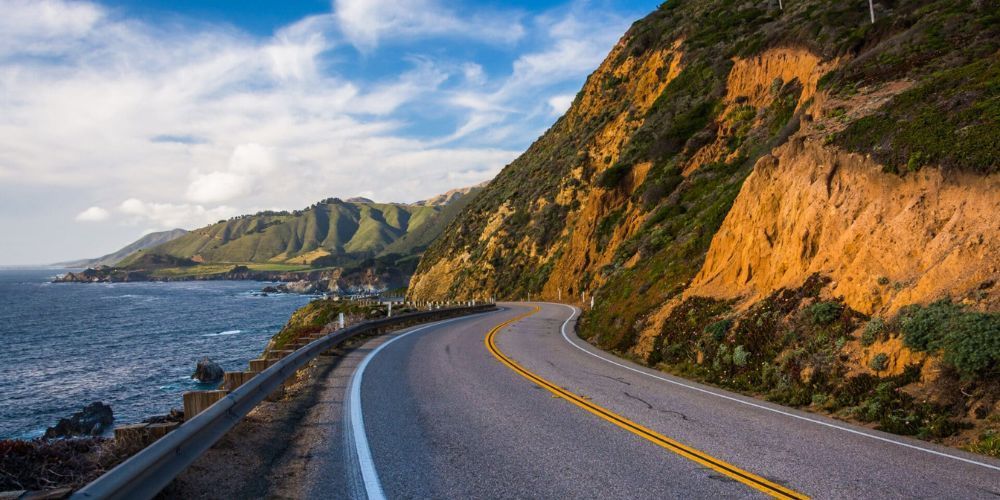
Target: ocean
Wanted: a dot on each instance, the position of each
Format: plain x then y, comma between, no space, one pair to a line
131,345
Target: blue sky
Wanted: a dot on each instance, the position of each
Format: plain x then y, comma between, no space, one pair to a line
123,117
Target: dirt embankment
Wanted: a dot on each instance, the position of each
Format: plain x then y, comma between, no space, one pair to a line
887,241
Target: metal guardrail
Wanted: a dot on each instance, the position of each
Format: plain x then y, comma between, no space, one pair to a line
149,471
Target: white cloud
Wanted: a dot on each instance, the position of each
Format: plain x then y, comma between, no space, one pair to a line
575,44
93,214
365,22
474,73
39,25
424,78
248,164
169,215
294,50
216,187
561,103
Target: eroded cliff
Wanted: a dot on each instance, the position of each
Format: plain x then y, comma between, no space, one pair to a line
795,203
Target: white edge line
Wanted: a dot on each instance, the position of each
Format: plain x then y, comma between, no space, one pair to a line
369,475
760,406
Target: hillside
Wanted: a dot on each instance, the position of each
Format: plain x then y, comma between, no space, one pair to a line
111,259
795,203
332,232
351,245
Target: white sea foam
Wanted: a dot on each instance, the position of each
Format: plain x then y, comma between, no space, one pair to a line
227,332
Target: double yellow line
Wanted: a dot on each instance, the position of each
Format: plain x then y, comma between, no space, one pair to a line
752,480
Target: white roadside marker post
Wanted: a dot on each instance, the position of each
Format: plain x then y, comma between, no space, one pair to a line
341,320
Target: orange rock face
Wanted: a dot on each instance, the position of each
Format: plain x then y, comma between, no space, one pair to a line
886,240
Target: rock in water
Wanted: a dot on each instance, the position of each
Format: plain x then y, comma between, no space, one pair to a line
208,371
302,286
93,420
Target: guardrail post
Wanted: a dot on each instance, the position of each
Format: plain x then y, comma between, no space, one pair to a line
134,437
196,402
259,365
279,353
232,380
156,431
131,437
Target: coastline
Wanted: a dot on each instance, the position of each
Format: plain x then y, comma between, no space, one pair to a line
333,280
131,345
236,273
156,379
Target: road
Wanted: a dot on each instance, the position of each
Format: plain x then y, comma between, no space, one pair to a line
436,412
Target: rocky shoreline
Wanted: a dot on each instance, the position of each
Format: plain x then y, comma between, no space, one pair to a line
329,281
106,274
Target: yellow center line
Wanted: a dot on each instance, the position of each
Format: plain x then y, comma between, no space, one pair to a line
754,481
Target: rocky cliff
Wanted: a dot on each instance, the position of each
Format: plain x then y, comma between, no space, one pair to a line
743,186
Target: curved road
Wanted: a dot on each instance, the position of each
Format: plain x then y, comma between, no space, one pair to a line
432,412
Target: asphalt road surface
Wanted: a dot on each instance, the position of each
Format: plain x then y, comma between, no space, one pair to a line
436,412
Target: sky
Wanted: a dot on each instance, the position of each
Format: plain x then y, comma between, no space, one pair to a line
122,117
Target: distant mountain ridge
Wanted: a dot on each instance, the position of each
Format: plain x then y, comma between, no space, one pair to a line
332,232
111,259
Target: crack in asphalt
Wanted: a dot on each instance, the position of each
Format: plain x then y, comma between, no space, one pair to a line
616,379
719,477
637,398
651,407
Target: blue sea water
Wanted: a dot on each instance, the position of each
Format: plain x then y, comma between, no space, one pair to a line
131,345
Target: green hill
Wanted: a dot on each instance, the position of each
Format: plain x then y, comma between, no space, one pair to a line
331,233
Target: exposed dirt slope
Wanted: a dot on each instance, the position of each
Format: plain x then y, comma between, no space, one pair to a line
887,241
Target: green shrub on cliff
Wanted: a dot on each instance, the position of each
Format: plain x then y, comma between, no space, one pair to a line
824,313
312,317
879,362
873,331
989,440
967,341
949,120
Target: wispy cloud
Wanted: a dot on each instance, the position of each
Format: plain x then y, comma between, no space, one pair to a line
560,103
93,214
366,22
172,125
572,44
170,215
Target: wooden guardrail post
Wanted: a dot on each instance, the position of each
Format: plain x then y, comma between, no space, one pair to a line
134,437
279,354
131,437
232,380
259,365
156,431
196,402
